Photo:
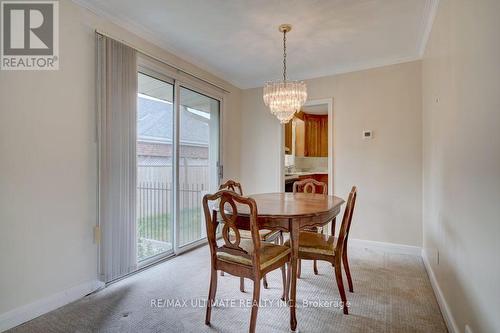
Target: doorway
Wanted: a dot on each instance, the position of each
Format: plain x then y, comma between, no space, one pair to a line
308,146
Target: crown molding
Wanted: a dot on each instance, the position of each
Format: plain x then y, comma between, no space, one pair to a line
351,68
427,21
146,34
430,11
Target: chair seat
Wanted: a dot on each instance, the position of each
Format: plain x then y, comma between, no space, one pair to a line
311,242
313,229
264,234
269,254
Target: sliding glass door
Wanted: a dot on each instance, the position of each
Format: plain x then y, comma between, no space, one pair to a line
177,163
155,143
198,160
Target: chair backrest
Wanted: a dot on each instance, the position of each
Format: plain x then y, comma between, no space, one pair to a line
346,222
231,185
309,186
225,203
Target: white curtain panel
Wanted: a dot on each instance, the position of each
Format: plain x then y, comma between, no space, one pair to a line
117,109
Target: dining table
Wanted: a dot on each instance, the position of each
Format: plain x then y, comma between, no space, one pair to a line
291,212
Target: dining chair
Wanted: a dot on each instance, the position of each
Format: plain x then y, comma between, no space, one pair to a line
248,258
310,185
274,236
316,246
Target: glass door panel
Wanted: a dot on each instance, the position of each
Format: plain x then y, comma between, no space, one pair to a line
155,128
198,161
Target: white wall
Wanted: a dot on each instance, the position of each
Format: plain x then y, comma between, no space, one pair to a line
48,163
461,103
387,169
260,148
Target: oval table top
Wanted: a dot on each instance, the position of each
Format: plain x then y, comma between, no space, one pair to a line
292,204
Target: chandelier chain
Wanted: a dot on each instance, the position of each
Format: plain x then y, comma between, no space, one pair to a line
284,56
283,97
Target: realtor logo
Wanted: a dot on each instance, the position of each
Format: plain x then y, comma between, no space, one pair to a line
30,35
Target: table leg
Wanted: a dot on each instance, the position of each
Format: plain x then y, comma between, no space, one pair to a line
333,226
294,244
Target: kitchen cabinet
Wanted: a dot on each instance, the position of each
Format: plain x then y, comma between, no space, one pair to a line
307,136
316,135
288,137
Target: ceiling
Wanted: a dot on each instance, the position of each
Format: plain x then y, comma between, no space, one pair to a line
238,40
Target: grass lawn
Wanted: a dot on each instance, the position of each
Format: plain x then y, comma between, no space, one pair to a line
159,228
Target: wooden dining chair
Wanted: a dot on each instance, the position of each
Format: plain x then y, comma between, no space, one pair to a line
316,246
248,258
232,185
310,185
274,236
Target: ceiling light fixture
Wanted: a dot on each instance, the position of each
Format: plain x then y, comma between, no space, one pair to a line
284,98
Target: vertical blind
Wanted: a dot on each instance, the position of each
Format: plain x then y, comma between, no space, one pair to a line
117,109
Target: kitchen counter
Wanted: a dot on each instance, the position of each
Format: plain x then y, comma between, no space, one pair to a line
304,173
296,175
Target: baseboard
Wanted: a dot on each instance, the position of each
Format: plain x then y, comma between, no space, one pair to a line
387,247
443,305
30,311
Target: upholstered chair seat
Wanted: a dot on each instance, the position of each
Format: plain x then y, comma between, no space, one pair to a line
265,235
316,243
269,254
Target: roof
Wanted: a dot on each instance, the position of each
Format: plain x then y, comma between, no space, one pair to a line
155,119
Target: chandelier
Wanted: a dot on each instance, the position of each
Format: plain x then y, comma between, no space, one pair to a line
284,98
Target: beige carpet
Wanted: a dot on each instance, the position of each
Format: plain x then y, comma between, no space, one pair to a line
392,293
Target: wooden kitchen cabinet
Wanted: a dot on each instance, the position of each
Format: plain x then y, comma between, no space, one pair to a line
299,137
316,135
288,138
311,135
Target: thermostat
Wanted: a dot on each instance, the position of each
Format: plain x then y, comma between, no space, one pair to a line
367,134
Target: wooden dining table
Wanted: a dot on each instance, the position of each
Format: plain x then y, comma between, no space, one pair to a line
291,212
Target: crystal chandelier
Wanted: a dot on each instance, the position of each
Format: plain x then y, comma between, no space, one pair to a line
284,98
